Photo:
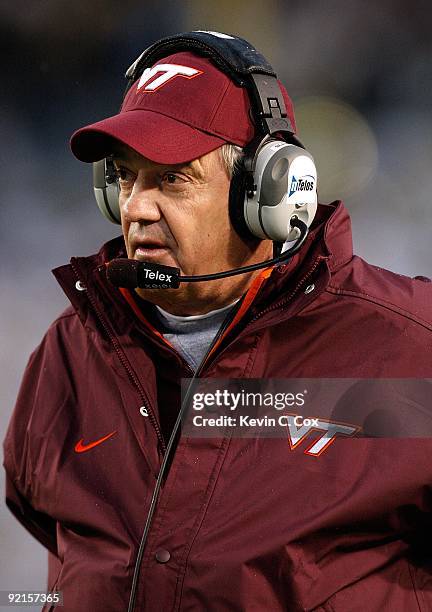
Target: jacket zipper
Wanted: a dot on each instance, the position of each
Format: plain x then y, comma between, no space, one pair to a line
124,361
156,491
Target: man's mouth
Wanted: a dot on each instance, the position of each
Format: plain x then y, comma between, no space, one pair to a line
150,250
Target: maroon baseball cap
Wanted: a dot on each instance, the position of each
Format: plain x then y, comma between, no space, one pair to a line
178,110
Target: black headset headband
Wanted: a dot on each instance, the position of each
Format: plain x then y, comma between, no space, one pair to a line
239,60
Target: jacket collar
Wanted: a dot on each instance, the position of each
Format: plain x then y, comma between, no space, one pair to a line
329,241
327,248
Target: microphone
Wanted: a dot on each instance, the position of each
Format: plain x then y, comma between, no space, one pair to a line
131,273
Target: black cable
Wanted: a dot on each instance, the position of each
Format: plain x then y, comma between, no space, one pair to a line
159,480
155,497
295,222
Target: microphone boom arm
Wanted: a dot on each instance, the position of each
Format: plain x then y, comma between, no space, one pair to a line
131,273
295,222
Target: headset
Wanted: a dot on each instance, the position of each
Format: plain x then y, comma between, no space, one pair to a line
273,192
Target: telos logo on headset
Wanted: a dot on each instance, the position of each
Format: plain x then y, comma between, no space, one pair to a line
277,179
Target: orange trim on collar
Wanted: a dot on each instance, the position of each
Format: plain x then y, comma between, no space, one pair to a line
248,299
137,310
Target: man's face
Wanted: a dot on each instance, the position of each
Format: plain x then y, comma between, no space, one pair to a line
177,215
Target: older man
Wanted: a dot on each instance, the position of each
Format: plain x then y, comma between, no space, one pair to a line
138,516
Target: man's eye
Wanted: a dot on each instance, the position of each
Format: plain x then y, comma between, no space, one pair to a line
171,178
123,175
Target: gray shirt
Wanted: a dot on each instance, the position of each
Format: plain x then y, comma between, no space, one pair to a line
192,335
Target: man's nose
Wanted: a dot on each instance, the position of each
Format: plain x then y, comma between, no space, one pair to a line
142,205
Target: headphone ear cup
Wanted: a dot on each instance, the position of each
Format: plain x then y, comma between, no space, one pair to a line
106,193
236,205
285,177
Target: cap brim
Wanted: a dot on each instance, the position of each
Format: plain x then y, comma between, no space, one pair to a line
160,138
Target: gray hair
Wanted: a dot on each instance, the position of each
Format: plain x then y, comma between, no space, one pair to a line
231,156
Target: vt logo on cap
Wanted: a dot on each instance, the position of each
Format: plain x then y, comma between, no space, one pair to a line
170,71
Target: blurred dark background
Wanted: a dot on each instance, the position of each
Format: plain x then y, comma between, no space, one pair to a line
358,72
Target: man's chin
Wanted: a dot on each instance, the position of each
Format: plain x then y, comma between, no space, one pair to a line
162,297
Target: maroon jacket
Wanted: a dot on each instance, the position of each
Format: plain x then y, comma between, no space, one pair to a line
241,523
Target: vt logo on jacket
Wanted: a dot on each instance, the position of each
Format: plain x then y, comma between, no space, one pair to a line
296,434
